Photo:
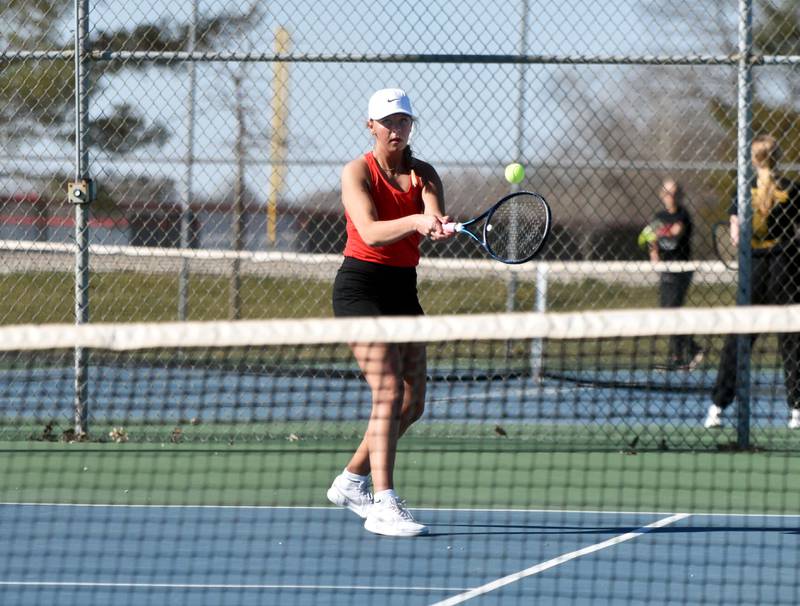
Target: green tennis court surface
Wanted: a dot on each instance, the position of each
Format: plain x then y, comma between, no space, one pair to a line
432,474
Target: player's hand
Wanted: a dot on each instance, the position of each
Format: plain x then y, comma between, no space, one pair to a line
438,233
430,227
443,234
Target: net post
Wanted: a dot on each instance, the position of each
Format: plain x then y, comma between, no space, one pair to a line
744,210
537,345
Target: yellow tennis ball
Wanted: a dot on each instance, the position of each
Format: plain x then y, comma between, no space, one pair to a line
515,172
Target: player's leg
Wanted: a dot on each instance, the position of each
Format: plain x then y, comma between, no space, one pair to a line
785,290
380,364
414,384
669,297
388,514
789,345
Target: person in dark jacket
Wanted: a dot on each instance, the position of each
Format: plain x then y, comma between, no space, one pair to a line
775,273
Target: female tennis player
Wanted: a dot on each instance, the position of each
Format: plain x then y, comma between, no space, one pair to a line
391,200
775,273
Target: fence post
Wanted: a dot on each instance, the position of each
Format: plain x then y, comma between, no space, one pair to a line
744,210
81,410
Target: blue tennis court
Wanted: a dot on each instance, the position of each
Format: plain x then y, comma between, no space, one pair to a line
252,555
168,394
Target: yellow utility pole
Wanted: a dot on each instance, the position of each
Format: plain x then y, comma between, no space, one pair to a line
278,143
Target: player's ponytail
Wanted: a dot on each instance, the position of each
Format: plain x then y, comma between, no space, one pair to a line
765,155
408,158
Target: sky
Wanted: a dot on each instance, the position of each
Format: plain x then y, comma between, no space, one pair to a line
469,113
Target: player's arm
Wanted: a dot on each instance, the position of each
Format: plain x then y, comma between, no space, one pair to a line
432,196
733,220
734,229
358,203
653,250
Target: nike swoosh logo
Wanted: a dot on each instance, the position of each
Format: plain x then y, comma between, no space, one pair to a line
390,100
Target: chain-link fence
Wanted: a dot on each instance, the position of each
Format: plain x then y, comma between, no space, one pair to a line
214,134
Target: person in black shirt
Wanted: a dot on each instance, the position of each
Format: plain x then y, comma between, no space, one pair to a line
775,273
671,241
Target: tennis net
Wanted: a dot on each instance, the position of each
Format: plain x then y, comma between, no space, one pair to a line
560,458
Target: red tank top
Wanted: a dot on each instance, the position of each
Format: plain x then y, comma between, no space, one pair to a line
390,203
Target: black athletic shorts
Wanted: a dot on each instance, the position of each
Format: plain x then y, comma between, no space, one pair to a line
362,288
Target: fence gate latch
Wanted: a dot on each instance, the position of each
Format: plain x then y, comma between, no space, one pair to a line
81,192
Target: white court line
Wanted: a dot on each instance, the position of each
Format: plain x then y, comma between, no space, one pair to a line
513,578
89,584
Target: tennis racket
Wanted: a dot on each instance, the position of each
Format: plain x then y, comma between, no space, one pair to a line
724,247
513,230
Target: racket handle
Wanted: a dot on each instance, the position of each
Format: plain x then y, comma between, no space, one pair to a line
449,228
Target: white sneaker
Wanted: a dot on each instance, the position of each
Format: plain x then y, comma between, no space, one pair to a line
713,418
794,420
353,495
391,518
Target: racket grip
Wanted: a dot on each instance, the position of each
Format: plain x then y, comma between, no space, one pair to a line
449,228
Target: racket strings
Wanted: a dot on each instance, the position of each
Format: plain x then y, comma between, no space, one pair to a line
724,247
516,229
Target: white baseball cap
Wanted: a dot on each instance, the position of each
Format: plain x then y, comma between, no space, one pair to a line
388,101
